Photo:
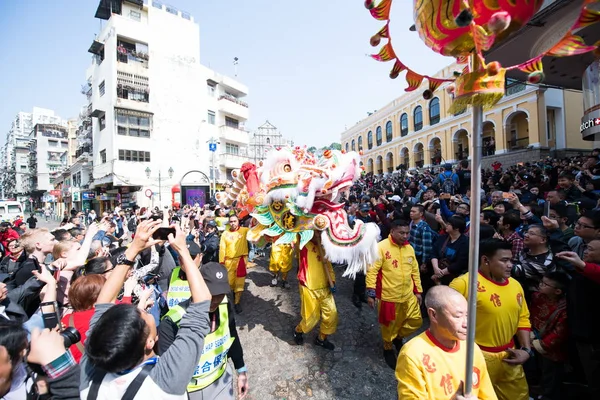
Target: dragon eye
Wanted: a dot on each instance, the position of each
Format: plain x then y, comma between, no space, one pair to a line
287,168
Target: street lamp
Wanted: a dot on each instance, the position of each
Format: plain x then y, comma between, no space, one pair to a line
170,171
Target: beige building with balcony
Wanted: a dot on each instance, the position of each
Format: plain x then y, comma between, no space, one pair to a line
529,123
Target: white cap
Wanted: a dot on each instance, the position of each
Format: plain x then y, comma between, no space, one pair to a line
396,198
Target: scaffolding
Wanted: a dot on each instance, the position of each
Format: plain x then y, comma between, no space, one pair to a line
264,139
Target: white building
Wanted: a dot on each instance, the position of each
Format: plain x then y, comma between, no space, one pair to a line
14,158
153,107
266,137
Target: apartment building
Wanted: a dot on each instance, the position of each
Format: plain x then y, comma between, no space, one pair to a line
153,109
530,122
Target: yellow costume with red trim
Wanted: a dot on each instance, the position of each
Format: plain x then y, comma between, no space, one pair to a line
501,312
281,259
233,254
426,370
316,300
395,279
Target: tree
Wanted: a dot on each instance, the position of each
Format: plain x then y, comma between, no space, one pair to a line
312,149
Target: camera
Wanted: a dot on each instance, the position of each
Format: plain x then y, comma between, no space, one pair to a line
70,336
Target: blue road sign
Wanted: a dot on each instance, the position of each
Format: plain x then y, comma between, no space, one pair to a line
212,147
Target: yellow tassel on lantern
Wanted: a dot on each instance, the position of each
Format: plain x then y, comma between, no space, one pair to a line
478,88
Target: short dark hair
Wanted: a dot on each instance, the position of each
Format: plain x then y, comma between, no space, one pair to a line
118,340
566,175
95,266
13,337
512,218
458,223
397,223
420,207
491,216
75,232
490,247
593,216
486,232
561,280
560,210
60,234
464,164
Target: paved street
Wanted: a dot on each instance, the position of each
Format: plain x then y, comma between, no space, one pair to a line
278,369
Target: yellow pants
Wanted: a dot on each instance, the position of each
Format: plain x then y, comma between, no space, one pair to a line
508,380
236,283
408,320
281,259
317,305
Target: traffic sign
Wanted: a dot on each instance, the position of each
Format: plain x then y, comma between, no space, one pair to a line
149,193
212,147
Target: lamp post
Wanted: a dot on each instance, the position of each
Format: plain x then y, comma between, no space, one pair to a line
170,171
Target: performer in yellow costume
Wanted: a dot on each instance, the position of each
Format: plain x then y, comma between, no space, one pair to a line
281,263
432,365
233,254
316,284
395,280
502,313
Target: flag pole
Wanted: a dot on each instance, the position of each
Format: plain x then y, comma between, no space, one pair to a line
476,151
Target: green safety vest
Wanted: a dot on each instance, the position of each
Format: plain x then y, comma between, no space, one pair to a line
179,290
213,360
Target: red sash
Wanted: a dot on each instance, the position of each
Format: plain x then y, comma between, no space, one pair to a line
387,312
241,268
303,266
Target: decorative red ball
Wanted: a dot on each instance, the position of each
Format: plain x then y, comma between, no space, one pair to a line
369,4
427,94
493,68
535,77
375,40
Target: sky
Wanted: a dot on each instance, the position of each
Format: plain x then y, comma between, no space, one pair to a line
305,62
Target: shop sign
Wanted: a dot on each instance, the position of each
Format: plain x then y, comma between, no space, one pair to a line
76,196
88,195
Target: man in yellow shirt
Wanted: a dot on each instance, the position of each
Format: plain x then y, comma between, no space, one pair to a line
502,313
431,366
395,281
281,263
233,254
316,284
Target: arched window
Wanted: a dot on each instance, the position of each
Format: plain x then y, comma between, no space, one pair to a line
347,147
379,136
370,140
268,140
353,145
360,145
388,132
418,118
404,125
434,111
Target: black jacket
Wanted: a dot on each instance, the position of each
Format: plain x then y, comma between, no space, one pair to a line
210,248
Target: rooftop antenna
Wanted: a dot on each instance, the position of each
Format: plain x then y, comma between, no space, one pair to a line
235,64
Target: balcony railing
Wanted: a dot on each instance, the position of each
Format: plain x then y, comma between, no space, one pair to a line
83,150
233,99
126,56
132,93
515,88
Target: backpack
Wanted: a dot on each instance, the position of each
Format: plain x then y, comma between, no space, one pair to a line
448,185
132,224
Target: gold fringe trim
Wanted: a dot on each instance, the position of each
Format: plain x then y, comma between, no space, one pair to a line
487,100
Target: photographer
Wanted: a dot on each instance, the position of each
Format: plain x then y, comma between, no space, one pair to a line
119,359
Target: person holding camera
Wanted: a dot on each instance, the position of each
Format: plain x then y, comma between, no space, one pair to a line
119,359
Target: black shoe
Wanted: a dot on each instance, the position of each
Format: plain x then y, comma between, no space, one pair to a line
298,338
363,298
285,284
398,344
326,344
390,358
237,308
356,301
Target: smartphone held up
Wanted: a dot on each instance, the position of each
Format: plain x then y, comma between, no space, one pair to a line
163,233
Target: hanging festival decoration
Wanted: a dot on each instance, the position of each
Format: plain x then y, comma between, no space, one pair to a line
468,28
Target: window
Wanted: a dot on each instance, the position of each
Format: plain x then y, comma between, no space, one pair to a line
103,156
64,145
232,123
232,149
23,167
434,111
360,144
404,125
370,140
353,145
133,123
53,143
101,88
211,117
347,147
211,88
388,132
135,15
418,118
157,4
134,155
268,140
378,136
172,10
132,87
102,122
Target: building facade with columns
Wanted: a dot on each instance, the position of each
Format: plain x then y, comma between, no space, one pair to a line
530,122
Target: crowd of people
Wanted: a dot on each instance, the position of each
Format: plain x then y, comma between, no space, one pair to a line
141,303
